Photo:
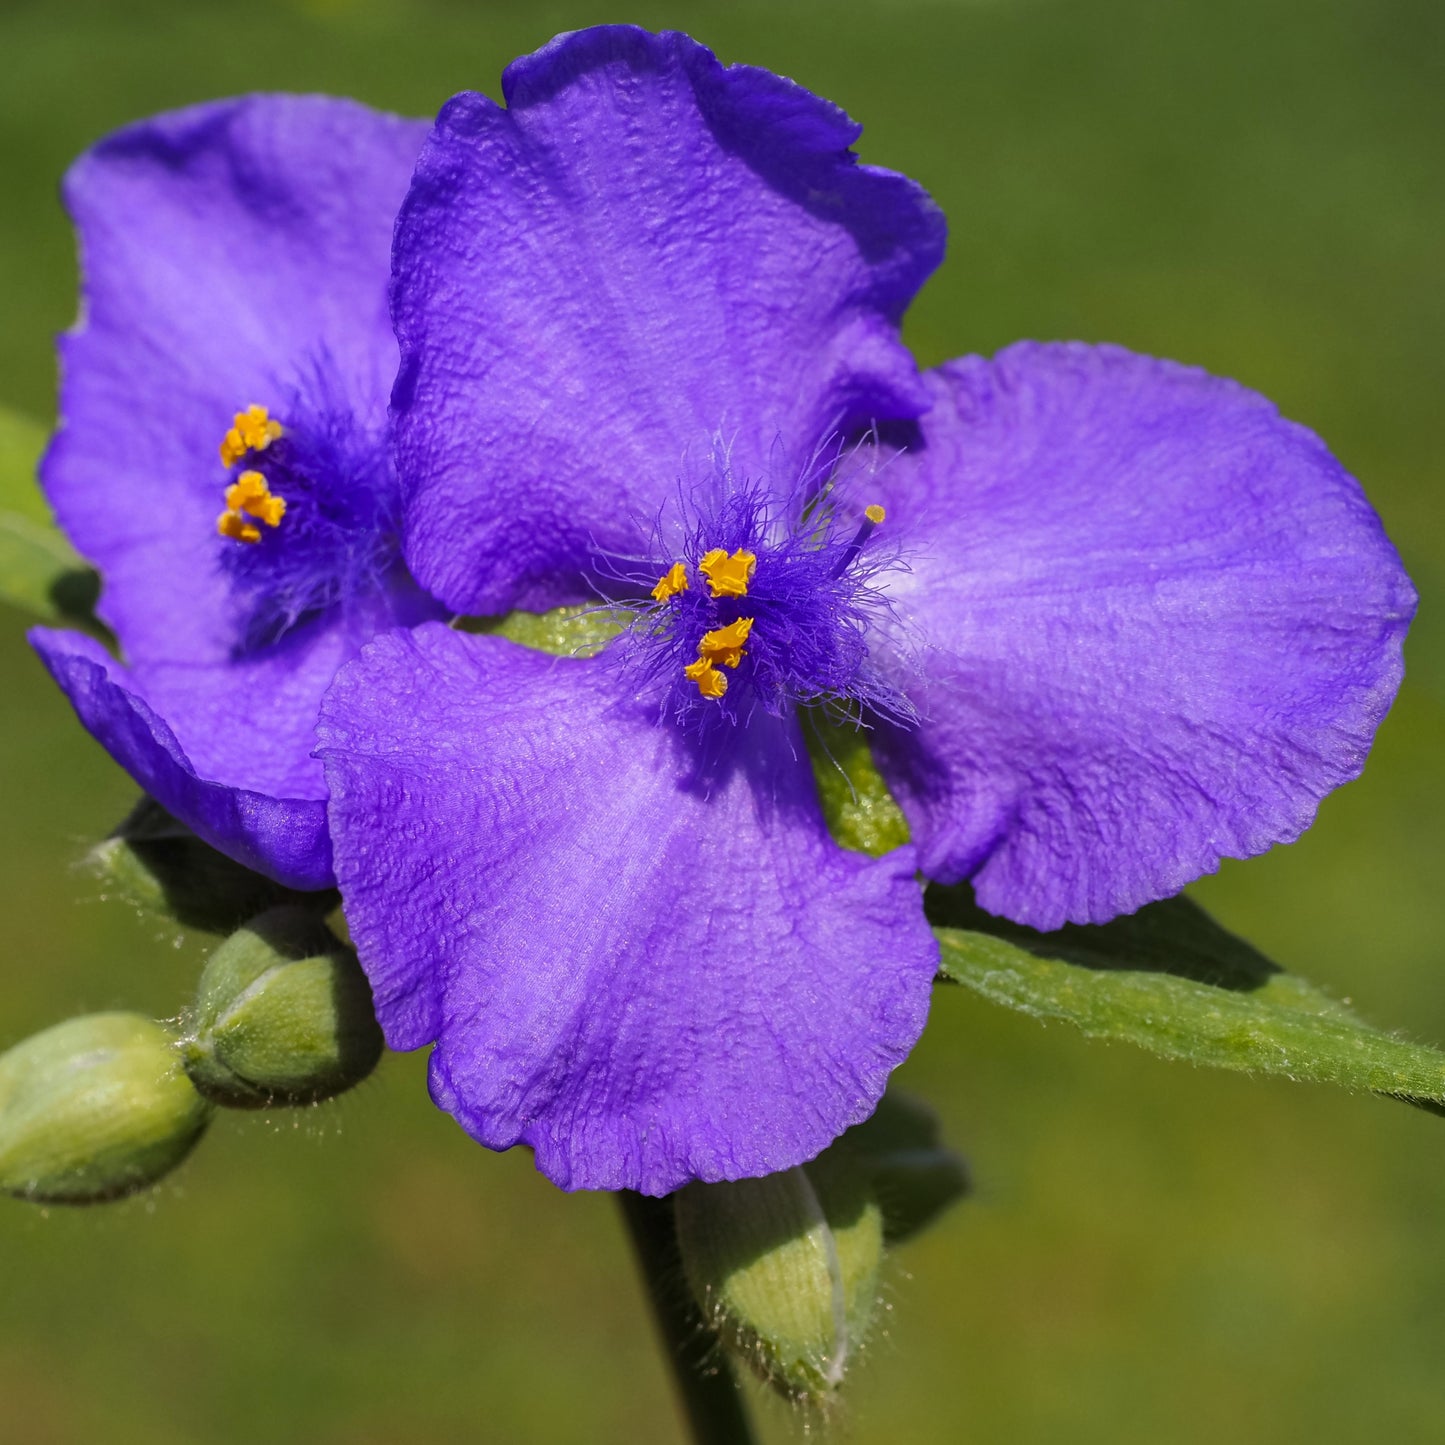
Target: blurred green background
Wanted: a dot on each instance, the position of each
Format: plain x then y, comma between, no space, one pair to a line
1154,1254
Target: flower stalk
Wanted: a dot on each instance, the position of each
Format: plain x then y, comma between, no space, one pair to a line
709,1395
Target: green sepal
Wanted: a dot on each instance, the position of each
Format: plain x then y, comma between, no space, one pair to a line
785,1269
283,1015
564,632
156,864
857,806
915,1176
1171,980
40,571
95,1108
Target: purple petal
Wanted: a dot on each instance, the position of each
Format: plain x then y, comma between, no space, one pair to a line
644,257
229,251
282,836
1152,622
646,981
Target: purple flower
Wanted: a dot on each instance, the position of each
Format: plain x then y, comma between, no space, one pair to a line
223,454
1110,619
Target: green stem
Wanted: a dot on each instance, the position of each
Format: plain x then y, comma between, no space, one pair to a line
710,1397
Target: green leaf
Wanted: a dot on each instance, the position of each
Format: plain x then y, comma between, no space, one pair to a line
21,443
1171,980
857,806
565,631
39,570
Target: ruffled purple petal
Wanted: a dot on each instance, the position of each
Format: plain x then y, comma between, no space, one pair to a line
645,259
282,836
1149,624
231,253
645,979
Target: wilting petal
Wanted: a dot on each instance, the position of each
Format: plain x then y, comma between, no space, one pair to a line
645,979
281,836
1149,624
644,256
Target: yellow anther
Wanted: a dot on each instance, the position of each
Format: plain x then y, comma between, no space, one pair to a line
247,488
724,646
252,430
250,496
875,513
710,682
234,526
728,576
249,493
270,510
673,581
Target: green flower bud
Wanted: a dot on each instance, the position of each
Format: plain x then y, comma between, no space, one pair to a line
914,1176
785,1269
158,865
95,1108
283,1015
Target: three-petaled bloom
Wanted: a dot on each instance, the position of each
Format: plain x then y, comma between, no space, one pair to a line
223,456
1110,619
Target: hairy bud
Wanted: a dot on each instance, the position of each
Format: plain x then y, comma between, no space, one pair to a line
785,1269
283,1015
95,1108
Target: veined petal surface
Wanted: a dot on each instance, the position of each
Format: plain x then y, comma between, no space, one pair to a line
646,978
1148,624
645,260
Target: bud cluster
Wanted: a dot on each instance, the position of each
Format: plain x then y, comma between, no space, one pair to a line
104,1105
784,1270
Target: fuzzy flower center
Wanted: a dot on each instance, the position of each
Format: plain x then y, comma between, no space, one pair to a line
726,576
756,612
310,519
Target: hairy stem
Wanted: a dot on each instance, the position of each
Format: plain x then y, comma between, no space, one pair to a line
710,1397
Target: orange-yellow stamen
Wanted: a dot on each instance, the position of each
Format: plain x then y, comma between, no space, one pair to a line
875,513
236,528
724,646
710,682
249,496
728,576
673,581
252,430
250,493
